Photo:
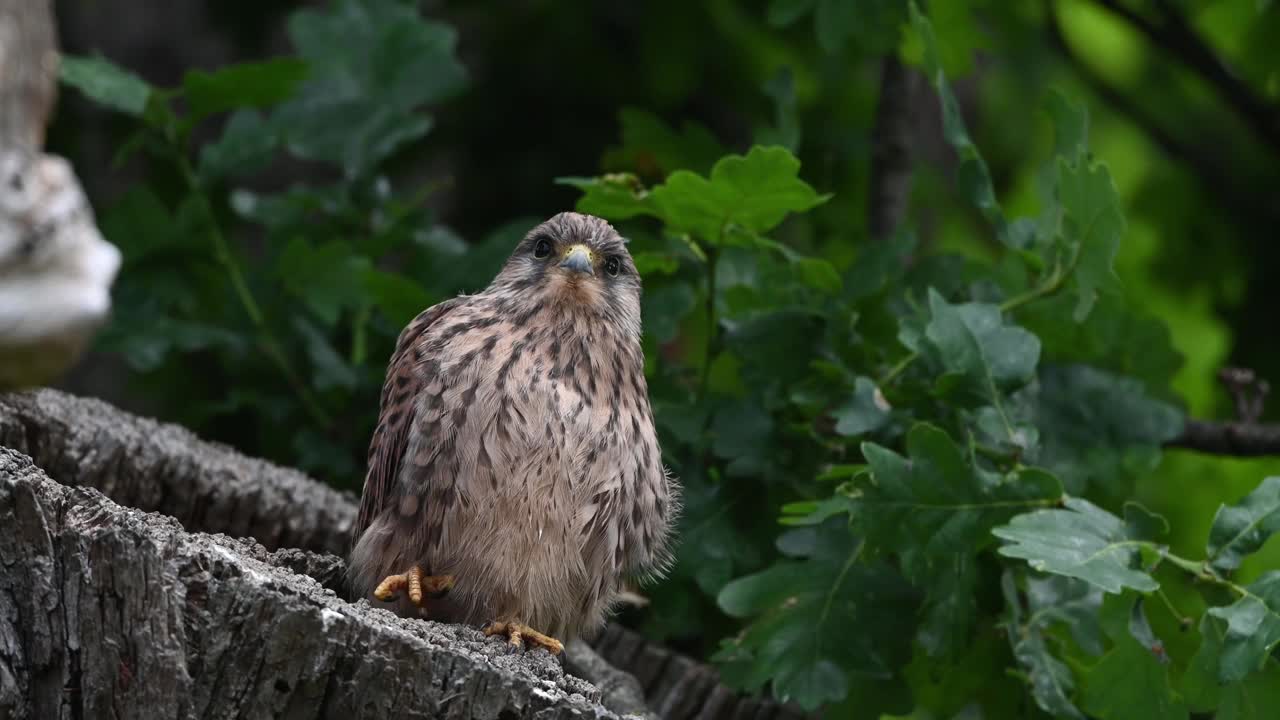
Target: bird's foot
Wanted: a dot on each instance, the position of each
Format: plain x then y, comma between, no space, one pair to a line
419,585
518,634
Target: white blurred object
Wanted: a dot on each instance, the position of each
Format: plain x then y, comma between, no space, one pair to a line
56,269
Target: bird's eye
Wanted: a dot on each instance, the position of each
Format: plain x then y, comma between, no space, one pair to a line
612,266
542,248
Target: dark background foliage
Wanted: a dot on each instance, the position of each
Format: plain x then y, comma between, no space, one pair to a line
874,428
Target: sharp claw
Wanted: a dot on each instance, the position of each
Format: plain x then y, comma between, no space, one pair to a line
415,585
519,635
388,588
419,585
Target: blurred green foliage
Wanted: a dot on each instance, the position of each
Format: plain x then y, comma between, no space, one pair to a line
922,473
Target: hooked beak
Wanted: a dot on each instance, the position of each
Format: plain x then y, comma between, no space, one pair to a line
578,259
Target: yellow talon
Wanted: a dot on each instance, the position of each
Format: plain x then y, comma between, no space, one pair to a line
518,633
417,584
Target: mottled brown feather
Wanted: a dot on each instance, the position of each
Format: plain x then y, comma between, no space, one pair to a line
401,387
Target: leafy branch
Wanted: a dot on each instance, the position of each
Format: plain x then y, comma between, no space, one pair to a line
222,251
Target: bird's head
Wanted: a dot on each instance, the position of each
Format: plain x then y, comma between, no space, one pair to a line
574,264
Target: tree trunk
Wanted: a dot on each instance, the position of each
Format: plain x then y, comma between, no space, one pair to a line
110,612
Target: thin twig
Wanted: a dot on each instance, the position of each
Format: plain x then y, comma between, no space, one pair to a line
1237,439
1247,390
1243,437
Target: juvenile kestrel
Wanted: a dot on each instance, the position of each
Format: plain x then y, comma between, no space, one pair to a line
515,477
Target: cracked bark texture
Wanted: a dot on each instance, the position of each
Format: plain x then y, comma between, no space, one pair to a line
107,611
165,468
84,550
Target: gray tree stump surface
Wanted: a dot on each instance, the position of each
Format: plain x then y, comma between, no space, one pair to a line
165,468
108,610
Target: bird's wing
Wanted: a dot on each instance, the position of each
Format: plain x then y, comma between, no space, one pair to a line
403,383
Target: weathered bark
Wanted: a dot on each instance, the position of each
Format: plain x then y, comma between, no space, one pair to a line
165,468
677,687
211,488
619,690
106,611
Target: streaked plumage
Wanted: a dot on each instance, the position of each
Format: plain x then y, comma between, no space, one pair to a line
515,449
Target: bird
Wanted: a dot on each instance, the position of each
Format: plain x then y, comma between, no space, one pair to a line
515,480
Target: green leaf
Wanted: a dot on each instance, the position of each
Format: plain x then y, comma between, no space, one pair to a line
155,337
1140,630
785,12
872,24
937,509
141,226
653,149
754,192
815,512
949,614
813,272
986,356
1083,541
817,274
664,308
1070,126
617,196
1253,628
936,500
865,412
373,65
714,548
1075,604
473,270
834,21
1093,224
327,278
743,434
1116,336
399,298
973,177
331,371
1242,529
650,263
246,146
106,83
244,85
1006,431
775,346
800,607
878,265
1131,682
1051,683
958,40
1254,698
1095,428
786,130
